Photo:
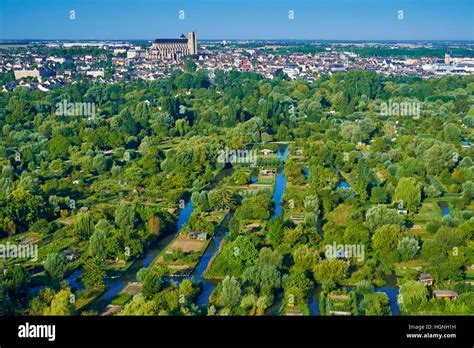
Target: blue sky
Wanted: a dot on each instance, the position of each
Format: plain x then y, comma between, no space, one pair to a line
238,19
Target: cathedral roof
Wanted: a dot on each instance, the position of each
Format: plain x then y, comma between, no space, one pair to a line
169,41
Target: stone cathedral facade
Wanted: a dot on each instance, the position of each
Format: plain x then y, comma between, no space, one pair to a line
173,49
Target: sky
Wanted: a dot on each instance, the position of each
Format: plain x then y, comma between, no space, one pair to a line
238,19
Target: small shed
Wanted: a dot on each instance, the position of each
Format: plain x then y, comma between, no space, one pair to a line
111,310
445,294
72,257
202,236
251,226
339,297
267,152
267,171
426,278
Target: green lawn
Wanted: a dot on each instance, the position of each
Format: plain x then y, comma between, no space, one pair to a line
429,211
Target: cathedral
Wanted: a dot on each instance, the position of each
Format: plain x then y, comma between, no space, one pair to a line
173,49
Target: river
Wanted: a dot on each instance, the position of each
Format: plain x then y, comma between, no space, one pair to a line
116,284
209,285
197,275
280,184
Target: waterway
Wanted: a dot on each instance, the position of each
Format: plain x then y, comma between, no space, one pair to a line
280,184
116,284
343,184
211,250
444,208
209,285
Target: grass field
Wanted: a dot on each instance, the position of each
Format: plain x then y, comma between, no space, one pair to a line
429,211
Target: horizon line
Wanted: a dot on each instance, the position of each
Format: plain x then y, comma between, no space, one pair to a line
245,39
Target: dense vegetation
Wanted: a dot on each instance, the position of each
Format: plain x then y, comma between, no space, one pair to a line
106,187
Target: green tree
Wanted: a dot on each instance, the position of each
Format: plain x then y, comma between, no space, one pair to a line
408,191
264,279
365,287
58,147
408,248
376,304
84,225
439,157
100,239
381,215
305,257
275,230
55,266
221,198
413,296
451,132
462,104
231,292
297,287
125,216
62,304
189,66
200,201
331,271
468,191
152,284
139,306
385,242
94,275
187,290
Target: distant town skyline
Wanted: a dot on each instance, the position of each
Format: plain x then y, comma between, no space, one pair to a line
243,19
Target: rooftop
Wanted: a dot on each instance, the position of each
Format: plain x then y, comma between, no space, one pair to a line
170,41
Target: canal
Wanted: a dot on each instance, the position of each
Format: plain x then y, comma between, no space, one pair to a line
280,184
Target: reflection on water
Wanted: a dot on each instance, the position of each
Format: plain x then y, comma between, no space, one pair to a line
343,184
314,303
444,208
74,281
392,297
314,306
274,309
306,172
184,215
280,185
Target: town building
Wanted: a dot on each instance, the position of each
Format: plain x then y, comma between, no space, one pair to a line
173,49
136,53
36,73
